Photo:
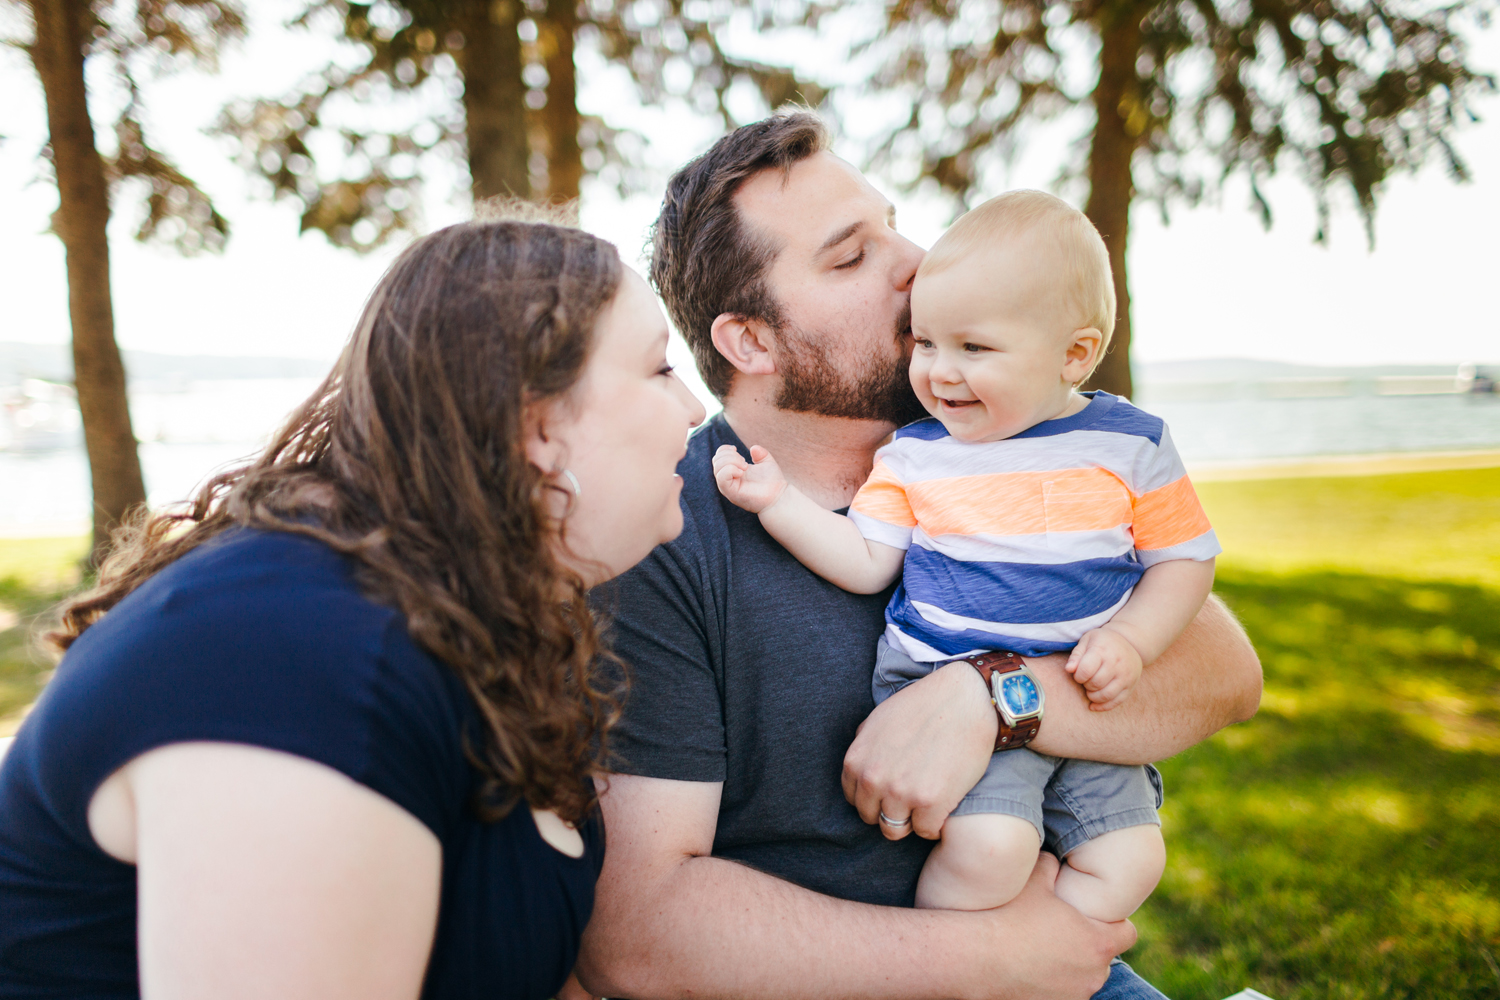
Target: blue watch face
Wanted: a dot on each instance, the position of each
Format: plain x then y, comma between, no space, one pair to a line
1020,694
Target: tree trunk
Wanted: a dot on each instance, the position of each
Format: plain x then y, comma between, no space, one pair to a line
559,119
1121,120
494,99
80,221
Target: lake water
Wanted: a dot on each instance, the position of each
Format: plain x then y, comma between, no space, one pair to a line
189,430
1236,430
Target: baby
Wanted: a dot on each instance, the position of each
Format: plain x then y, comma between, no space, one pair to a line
1029,518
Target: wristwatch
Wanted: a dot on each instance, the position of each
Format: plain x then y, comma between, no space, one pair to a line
1017,697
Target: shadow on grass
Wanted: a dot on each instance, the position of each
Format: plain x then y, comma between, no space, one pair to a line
25,611
1343,844
1346,842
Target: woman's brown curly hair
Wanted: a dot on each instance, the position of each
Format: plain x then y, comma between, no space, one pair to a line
409,459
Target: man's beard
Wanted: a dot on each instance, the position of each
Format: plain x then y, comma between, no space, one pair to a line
811,381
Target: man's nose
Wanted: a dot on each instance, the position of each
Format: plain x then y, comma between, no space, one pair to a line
908,258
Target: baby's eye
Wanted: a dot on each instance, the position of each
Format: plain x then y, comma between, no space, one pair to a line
975,348
665,369
924,342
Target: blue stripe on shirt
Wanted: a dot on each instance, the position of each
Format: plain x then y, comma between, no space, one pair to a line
927,429
1105,412
1023,593
951,642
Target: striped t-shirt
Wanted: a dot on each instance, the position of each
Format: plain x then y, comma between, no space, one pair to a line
1025,544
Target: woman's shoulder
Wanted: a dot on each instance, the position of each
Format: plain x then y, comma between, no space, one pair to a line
249,573
252,614
248,595
262,638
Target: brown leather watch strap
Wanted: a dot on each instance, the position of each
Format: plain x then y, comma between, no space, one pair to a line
1003,662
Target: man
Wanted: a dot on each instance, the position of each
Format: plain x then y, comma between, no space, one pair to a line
736,867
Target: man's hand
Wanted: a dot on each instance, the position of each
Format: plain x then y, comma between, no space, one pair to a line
1107,666
1071,952
751,487
921,751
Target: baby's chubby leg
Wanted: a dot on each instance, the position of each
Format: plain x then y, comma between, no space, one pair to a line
1108,877
982,862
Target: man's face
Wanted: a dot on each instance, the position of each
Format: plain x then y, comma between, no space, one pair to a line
842,279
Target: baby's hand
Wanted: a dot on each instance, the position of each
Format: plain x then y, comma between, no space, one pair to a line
753,487
1107,666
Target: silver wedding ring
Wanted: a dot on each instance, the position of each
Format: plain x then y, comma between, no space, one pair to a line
892,823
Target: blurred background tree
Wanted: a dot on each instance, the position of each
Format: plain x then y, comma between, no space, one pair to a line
1183,94
147,38
491,84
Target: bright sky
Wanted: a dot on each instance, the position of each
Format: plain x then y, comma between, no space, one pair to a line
1212,284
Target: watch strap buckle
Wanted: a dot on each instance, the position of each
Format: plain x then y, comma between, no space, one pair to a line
989,665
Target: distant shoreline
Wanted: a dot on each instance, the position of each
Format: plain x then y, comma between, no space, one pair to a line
1323,466
1307,467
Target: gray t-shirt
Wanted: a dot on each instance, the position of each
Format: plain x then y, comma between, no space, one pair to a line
748,669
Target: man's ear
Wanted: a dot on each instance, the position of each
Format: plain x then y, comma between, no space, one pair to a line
1081,354
746,343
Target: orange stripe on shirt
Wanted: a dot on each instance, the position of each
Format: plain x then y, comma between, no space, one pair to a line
884,498
1169,516
1020,503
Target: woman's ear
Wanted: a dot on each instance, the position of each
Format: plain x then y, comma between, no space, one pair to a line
1081,354
540,432
745,343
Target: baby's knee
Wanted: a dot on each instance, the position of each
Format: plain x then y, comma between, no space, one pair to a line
987,840
1136,855
983,861
1109,877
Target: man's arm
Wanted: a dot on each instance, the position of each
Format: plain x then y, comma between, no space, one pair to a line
670,921
924,747
1206,680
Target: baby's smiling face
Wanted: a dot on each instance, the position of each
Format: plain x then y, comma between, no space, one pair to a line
998,347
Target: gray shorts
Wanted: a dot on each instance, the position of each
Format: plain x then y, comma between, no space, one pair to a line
1070,802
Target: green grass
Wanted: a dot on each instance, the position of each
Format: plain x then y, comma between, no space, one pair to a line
1346,842
35,573
1417,526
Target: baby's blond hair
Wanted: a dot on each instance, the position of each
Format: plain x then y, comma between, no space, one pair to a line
1015,213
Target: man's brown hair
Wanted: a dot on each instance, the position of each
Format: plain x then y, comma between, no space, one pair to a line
704,260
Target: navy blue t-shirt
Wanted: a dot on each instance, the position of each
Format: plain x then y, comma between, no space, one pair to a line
264,638
749,669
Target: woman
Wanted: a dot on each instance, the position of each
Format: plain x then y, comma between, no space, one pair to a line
330,734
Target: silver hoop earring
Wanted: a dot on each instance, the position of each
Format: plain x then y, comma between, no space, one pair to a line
573,482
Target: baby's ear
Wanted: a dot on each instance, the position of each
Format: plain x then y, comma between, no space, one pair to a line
1081,354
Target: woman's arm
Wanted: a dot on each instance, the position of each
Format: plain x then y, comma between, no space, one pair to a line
263,875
